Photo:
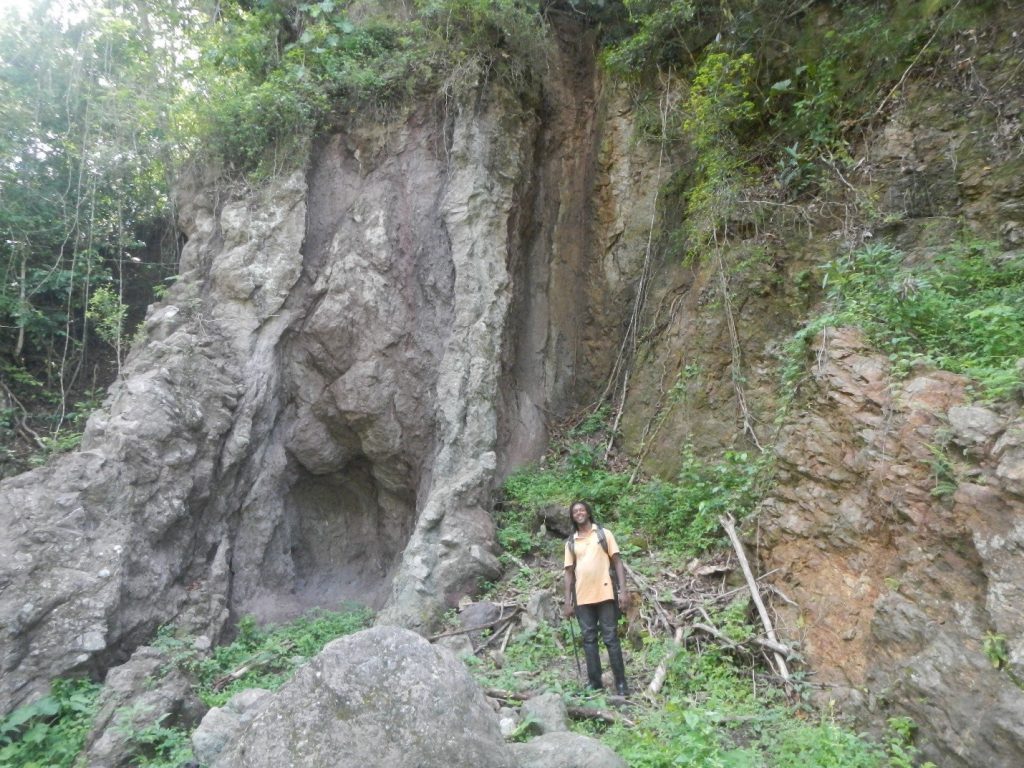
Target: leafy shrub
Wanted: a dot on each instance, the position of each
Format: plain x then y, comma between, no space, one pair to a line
682,515
274,73
719,107
272,653
799,744
50,731
962,312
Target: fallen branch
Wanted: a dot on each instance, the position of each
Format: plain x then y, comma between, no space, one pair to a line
662,671
604,715
500,695
255,662
577,713
785,650
498,629
729,524
652,597
466,630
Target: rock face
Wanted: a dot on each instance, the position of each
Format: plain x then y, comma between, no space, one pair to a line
381,697
565,750
896,521
147,691
353,357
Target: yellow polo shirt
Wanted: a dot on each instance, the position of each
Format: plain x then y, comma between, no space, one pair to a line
593,582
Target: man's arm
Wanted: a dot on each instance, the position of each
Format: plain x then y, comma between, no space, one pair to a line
620,576
569,579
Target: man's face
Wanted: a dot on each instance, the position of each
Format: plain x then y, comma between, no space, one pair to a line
580,514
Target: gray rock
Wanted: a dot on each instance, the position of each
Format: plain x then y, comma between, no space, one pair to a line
973,425
556,519
351,359
479,614
380,697
541,606
546,712
147,690
508,721
460,645
565,750
222,724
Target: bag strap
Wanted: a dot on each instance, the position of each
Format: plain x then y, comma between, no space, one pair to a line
571,542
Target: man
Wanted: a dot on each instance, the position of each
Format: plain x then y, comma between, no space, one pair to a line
590,554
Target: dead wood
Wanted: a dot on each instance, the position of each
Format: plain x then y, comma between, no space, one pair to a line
604,715
500,620
729,524
662,671
575,712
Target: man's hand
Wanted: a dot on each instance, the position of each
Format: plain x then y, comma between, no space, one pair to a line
568,610
623,600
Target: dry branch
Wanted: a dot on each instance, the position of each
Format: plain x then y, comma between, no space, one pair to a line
662,671
589,713
575,712
729,524
489,625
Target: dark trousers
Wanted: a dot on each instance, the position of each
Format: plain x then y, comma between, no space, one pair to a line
604,616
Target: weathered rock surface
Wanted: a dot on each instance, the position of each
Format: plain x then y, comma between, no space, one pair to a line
546,712
147,691
223,724
565,750
381,697
352,358
901,539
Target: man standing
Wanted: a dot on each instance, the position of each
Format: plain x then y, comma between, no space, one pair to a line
590,593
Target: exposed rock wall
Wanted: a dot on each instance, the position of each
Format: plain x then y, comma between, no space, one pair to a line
894,521
352,358
898,574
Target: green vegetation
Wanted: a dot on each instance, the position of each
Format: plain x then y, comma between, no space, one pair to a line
51,731
717,708
679,517
963,311
772,95
108,105
83,185
274,73
269,655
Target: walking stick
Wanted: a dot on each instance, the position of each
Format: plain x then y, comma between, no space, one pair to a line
575,649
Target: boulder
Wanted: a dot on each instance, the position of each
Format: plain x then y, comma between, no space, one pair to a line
546,712
480,614
565,750
381,697
221,724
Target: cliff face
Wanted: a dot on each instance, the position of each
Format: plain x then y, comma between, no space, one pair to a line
355,355
351,360
894,518
898,580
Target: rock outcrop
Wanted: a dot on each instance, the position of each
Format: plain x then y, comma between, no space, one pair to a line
381,697
896,529
351,360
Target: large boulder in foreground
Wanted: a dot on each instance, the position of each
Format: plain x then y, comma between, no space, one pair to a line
381,697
